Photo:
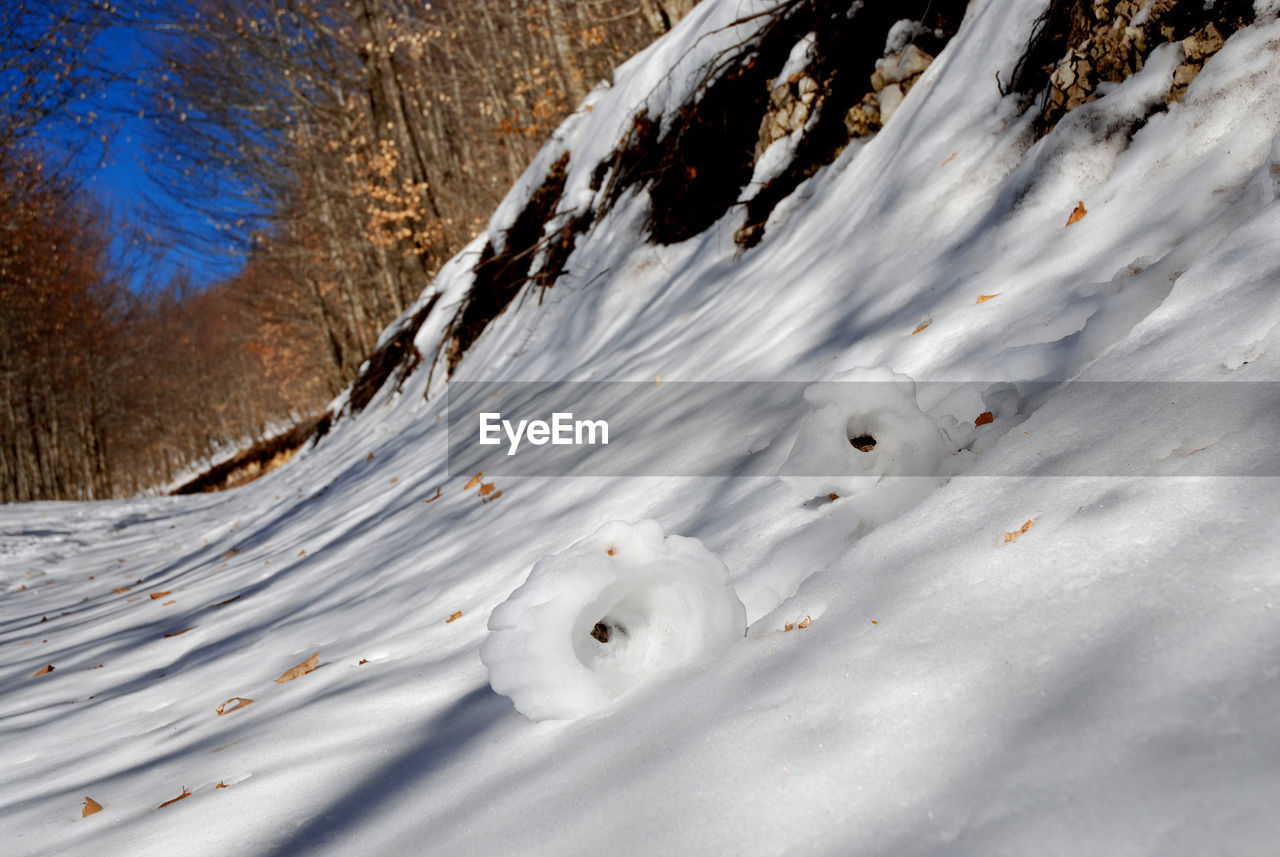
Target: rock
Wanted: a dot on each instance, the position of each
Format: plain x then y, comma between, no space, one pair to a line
1185,73
863,119
890,98
1071,82
907,63
790,105
746,235
807,90
1202,43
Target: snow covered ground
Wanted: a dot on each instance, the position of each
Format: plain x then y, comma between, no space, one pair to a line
1025,661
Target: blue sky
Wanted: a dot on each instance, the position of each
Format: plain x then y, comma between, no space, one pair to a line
120,178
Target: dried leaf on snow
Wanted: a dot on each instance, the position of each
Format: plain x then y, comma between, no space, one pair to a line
227,707
301,669
184,794
1008,537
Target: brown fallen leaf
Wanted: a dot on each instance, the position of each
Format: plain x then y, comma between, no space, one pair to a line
804,623
240,702
301,669
472,481
455,617
1008,537
121,590
790,626
133,599
435,498
362,662
90,807
949,160
370,458
985,298
1077,214
921,326
43,671
177,633
158,595
302,552
228,601
485,488
167,603
984,418
833,496
491,498
657,381
185,794
230,553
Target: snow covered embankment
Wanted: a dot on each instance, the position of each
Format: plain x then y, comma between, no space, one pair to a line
1016,663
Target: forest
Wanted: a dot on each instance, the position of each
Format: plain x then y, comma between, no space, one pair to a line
332,153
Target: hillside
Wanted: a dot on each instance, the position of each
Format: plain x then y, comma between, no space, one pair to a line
1026,605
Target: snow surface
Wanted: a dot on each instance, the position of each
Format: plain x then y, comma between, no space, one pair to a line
1019,663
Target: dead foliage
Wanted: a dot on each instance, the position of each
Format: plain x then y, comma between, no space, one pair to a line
257,460
185,794
397,356
1009,537
235,703
845,53
1078,44
500,274
309,665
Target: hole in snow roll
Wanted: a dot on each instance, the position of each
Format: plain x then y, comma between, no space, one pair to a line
603,631
863,442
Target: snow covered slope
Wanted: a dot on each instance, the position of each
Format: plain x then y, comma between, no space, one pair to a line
1025,661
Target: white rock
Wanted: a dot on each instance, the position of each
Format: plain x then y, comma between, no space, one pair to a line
890,99
903,65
